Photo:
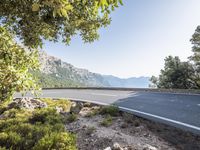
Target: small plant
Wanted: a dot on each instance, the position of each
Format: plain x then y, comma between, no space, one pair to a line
63,103
92,113
87,104
128,118
71,118
107,121
124,125
90,130
110,110
137,123
55,140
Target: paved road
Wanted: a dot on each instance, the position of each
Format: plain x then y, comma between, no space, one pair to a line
179,110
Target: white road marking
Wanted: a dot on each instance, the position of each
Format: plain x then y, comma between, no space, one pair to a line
102,94
198,104
139,112
143,113
162,118
163,92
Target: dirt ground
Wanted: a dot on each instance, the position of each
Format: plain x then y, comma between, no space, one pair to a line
129,132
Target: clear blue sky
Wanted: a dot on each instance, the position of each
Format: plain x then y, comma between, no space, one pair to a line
142,33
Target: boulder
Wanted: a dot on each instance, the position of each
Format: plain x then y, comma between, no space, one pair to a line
27,103
59,109
149,147
108,148
116,146
76,107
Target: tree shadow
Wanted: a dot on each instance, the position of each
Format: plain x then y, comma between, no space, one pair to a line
176,137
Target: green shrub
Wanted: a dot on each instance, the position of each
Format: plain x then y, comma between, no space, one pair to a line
128,118
46,116
23,129
92,113
90,130
110,110
137,123
7,138
59,141
107,121
63,103
71,118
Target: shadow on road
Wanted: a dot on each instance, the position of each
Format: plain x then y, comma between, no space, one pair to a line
177,138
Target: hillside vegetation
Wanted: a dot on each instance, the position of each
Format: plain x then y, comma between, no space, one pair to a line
56,73
35,129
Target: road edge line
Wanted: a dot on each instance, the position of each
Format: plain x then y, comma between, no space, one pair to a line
143,113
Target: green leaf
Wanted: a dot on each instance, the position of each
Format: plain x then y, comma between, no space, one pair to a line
35,7
120,1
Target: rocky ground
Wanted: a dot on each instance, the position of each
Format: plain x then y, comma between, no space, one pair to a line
107,128
127,132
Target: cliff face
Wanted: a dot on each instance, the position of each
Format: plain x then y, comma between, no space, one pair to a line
66,73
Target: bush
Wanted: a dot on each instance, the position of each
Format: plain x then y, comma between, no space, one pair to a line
46,116
110,110
63,141
90,130
63,103
38,129
128,118
71,118
92,113
107,121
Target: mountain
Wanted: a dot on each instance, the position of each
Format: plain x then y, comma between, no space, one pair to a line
56,73
134,82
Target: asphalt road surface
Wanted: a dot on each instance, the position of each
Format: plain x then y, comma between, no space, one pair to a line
179,110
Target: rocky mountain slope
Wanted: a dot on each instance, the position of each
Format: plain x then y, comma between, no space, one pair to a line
56,73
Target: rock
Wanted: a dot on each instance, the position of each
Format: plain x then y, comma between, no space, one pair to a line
149,147
26,102
116,146
85,111
13,104
59,109
76,107
108,148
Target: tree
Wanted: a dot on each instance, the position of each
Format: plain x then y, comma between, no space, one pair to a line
154,82
195,58
176,75
196,46
15,64
35,20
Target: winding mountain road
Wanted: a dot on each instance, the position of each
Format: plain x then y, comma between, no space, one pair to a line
179,110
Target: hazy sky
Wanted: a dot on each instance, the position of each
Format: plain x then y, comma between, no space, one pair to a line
142,33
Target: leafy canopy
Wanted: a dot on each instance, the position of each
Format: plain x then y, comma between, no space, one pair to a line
15,64
176,75
196,46
35,20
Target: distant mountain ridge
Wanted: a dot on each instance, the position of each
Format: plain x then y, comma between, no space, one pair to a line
133,82
56,73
